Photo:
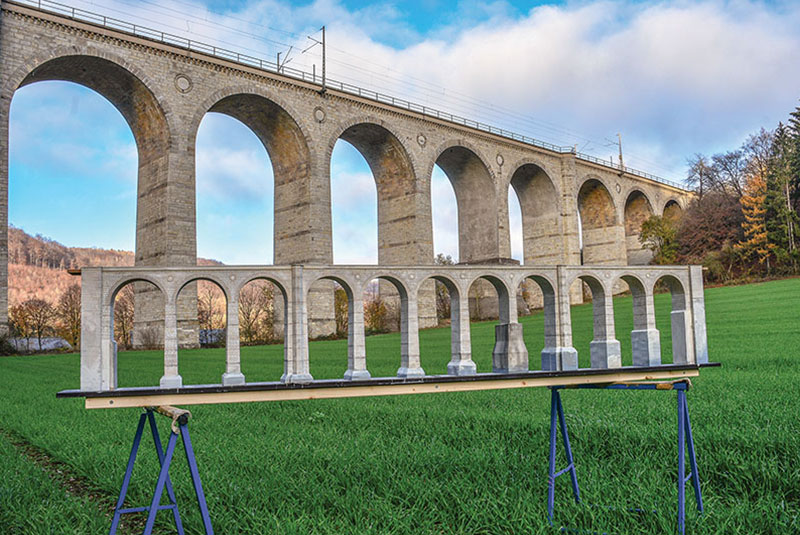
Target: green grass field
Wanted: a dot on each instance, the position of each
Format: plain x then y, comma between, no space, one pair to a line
466,463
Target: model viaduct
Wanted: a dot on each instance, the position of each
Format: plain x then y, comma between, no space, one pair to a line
575,209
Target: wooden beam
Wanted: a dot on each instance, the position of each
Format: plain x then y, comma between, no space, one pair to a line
205,398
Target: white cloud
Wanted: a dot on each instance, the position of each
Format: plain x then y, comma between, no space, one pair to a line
675,78
445,215
354,212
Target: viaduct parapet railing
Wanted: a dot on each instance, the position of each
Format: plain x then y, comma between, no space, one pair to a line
312,77
510,356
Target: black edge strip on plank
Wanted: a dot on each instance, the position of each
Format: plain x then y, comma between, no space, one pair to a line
378,381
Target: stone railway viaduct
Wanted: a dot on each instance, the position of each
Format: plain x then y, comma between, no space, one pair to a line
574,210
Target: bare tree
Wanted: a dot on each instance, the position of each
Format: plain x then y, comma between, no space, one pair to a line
123,316
442,294
251,310
700,175
376,314
730,172
69,314
20,323
268,318
340,307
758,150
40,315
210,306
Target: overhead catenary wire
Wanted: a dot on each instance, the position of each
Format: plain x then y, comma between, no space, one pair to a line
456,101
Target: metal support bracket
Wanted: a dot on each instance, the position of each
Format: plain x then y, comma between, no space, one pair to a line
179,427
685,440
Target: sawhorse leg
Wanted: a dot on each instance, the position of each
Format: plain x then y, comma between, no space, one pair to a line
684,433
557,411
165,460
685,441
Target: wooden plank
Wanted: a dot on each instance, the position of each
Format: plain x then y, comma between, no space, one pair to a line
250,396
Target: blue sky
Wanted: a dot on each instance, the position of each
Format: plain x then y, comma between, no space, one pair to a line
674,77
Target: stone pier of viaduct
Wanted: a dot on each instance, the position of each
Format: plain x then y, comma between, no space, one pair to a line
575,209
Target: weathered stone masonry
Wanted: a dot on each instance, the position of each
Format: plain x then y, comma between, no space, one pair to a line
164,91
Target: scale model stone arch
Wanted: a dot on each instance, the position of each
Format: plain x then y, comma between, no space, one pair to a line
681,319
549,305
509,354
604,349
106,356
461,362
645,339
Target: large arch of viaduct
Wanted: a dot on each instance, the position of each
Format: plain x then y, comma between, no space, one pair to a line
570,207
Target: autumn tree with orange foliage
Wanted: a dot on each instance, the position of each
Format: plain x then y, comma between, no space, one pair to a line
755,245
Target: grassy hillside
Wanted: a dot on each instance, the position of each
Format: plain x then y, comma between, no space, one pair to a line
454,463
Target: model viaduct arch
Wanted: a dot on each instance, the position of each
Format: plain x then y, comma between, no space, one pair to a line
573,206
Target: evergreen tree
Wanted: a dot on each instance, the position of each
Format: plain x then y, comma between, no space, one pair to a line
781,217
794,159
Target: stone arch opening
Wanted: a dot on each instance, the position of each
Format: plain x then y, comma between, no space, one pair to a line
127,366
260,330
476,198
645,341
604,349
508,350
403,234
234,192
375,308
675,334
204,367
539,204
541,334
286,172
634,313
455,357
444,216
289,156
673,210
326,357
637,210
397,191
148,124
145,117
600,232
515,227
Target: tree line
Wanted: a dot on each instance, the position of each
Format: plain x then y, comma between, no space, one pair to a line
743,222
37,318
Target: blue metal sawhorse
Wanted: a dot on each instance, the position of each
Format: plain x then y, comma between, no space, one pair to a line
684,438
179,427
